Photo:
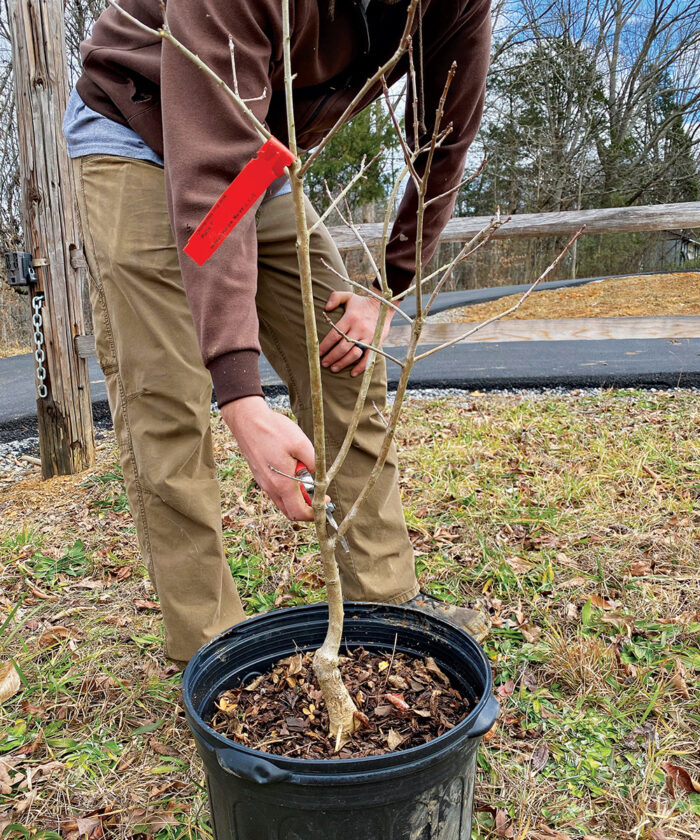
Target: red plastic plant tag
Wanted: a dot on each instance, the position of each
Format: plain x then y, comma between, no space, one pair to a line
235,201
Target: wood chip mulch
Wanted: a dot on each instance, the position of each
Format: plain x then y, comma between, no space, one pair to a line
402,702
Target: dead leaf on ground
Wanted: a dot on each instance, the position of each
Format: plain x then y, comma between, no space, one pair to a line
9,681
142,604
433,668
503,827
544,832
5,780
161,748
398,702
540,757
530,633
518,565
393,739
639,568
677,680
676,775
55,635
656,834
506,689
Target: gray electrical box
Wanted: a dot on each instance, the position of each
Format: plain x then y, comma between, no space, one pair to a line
19,269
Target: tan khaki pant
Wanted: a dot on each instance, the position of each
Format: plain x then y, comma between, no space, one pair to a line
160,395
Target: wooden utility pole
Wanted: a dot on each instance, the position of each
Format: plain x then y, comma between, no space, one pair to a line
51,232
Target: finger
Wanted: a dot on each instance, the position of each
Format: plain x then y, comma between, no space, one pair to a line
361,367
329,341
336,298
348,359
333,336
341,349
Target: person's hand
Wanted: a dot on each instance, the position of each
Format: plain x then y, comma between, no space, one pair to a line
358,323
267,439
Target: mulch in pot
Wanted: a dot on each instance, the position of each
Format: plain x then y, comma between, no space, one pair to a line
402,702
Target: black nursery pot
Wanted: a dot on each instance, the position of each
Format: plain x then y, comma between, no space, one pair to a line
422,793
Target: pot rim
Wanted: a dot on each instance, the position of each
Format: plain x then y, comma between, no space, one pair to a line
215,740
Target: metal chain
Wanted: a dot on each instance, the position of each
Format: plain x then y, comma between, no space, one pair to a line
39,353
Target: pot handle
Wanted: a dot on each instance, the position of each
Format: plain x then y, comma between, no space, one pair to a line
251,768
486,719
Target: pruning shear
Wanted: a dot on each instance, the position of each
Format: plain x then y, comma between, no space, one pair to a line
306,485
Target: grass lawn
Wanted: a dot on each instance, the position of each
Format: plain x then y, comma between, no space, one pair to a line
573,520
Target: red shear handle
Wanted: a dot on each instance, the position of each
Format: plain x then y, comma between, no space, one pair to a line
301,472
235,201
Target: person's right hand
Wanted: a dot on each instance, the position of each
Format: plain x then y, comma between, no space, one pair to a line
268,438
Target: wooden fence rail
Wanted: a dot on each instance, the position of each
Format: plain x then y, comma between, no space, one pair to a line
611,220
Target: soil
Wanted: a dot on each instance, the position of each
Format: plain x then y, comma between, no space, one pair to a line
402,702
640,296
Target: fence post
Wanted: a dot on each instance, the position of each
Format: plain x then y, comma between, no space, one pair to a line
51,232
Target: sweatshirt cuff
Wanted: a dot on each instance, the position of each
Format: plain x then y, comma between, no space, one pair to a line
398,279
235,375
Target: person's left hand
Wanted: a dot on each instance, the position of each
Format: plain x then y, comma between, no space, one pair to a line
358,323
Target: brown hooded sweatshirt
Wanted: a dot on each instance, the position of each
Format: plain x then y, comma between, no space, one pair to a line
139,81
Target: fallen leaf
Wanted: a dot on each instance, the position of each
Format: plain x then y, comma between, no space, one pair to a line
677,680
253,685
393,739
398,702
5,780
362,719
41,770
141,604
540,757
30,709
9,681
506,689
90,827
161,748
489,735
294,665
546,833
530,633
676,775
656,834
529,680
398,682
518,565
502,827
433,668
639,568
54,635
